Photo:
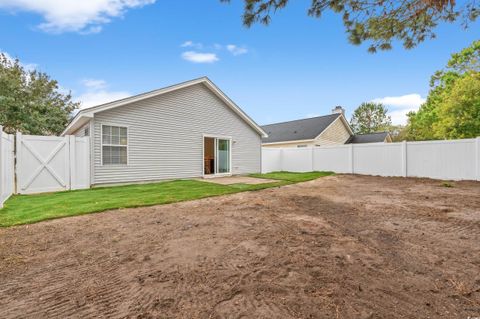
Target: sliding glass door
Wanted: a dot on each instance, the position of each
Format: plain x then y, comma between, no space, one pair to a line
223,156
216,156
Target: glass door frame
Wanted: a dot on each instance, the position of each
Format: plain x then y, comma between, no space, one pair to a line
215,142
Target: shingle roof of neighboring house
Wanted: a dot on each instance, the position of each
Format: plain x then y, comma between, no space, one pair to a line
368,138
305,129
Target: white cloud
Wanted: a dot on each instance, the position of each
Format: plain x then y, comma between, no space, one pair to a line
8,56
89,99
403,101
209,57
91,30
63,90
399,106
198,57
94,84
26,66
236,50
193,45
96,93
84,16
187,44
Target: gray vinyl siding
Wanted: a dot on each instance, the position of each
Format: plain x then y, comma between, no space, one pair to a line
165,137
81,131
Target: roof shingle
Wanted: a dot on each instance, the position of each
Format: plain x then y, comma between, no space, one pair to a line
377,137
305,129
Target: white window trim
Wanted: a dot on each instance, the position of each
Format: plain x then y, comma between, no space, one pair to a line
221,137
102,145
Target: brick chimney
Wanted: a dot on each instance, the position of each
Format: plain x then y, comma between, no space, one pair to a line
338,110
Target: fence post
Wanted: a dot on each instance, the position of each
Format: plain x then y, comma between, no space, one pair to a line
281,159
2,186
352,168
477,156
18,150
313,158
71,161
404,159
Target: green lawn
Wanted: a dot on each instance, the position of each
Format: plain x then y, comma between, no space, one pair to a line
26,209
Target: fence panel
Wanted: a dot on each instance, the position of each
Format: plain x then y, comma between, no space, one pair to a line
333,158
455,160
271,160
297,160
443,159
7,173
384,159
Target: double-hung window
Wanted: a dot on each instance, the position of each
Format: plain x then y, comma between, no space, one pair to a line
114,145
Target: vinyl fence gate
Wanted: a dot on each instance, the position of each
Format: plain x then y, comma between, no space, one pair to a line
52,163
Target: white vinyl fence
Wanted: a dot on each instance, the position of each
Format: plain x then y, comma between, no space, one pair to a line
450,160
7,174
51,163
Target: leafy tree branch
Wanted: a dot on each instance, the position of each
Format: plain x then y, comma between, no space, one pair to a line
30,101
378,22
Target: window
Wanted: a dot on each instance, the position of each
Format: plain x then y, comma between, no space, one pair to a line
114,145
86,131
302,145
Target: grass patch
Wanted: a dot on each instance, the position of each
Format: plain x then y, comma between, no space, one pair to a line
447,184
293,177
27,209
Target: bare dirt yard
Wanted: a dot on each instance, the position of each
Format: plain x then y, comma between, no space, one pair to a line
337,247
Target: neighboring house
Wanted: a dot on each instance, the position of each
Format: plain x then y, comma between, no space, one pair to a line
379,137
186,130
332,129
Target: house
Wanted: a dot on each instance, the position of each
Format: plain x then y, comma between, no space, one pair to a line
187,130
332,129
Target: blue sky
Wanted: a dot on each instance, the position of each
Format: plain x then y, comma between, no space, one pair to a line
294,68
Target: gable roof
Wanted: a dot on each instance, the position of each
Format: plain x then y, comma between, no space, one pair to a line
377,137
300,130
83,116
